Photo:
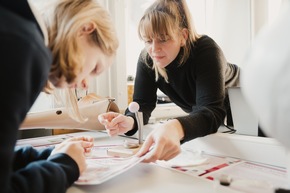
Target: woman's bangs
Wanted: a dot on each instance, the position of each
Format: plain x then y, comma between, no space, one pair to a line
155,25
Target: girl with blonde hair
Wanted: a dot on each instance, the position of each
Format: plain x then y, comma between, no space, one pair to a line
69,42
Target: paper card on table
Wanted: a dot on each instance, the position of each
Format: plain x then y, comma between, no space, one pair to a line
184,159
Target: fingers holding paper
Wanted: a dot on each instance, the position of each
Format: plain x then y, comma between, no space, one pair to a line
162,143
116,123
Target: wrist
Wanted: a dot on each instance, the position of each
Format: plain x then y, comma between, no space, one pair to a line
178,127
132,123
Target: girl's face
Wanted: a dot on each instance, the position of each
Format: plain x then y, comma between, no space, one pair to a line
96,61
164,49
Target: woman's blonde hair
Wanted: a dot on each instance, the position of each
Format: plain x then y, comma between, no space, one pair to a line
167,17
64,20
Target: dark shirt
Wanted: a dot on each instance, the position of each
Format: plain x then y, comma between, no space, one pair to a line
198,86
25,64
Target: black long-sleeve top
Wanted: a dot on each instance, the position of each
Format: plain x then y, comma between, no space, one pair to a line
25,63
198,86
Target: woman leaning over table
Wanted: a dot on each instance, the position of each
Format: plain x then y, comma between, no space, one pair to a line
189,68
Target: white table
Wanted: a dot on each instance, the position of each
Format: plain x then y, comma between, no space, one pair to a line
150,178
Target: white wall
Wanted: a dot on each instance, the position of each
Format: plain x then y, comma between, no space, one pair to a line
113,82
230,27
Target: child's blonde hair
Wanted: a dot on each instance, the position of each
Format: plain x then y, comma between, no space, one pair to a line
63,26
63,22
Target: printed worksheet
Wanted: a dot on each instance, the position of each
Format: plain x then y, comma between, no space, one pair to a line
102,167
102,163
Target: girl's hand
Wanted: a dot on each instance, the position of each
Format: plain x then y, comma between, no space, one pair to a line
76,148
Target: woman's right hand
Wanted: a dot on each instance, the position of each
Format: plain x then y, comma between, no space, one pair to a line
116,123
